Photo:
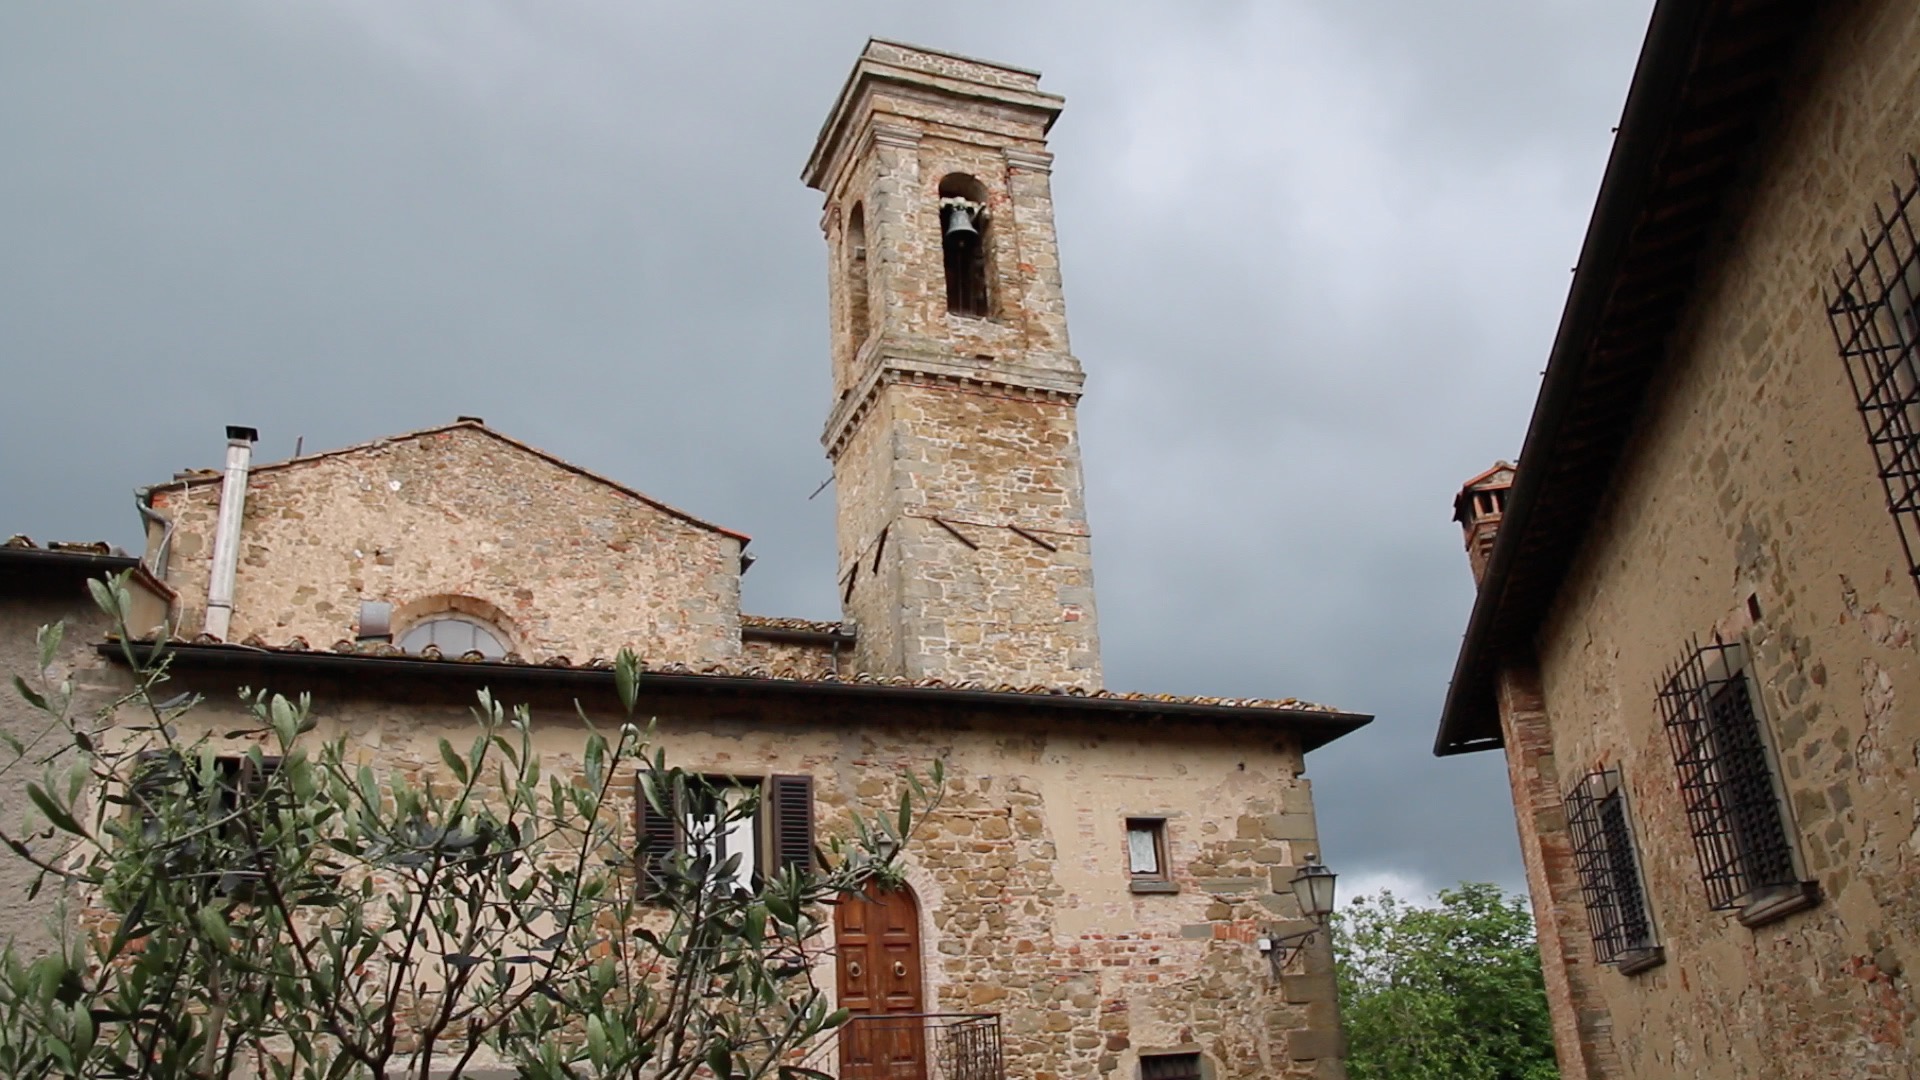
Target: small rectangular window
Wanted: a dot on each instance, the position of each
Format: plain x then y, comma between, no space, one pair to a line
1147,855
1729,786
236,806
1170,1067
1603,853
710,818
723,824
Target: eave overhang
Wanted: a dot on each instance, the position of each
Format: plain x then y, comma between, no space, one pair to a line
1705,84
1313,728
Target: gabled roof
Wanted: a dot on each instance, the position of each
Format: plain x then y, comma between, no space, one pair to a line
1483,477
468,423
1705,83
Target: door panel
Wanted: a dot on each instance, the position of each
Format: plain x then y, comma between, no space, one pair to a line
877,945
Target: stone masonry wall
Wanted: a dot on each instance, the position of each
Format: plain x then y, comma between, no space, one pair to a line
801,659
986,568
567,564
25,923
1748,503
943,417
1021,877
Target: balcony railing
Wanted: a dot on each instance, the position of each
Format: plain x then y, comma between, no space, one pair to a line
914,1046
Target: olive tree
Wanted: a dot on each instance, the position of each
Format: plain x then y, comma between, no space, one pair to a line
300,914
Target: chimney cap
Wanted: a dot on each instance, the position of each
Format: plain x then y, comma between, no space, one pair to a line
242,434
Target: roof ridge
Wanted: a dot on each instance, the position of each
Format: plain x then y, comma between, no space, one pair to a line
212,476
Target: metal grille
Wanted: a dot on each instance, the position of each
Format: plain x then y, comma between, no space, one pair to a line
1726,779
916,1046
1609,874
1876,322
1170,1067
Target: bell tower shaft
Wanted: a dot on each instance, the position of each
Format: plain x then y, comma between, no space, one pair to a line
964,548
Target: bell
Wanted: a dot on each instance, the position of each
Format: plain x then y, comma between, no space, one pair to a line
960,224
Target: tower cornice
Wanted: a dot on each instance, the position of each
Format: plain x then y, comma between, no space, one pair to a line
949,74
934,369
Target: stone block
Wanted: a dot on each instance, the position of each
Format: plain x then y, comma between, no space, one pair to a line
1303,989
1309,1044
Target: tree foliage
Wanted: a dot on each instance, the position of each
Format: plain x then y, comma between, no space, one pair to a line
1451,992
302,915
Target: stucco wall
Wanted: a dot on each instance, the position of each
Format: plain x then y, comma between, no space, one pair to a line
571,565
1749,487
1021,876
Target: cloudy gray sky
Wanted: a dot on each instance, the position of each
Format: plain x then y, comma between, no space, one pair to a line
1314,256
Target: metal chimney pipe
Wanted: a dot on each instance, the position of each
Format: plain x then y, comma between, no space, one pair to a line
226,532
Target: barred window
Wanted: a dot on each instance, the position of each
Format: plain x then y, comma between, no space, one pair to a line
1876,321
1170,1067
1603,853
1734,810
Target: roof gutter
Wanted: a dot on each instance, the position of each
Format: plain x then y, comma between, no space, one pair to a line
1666,59
1314,727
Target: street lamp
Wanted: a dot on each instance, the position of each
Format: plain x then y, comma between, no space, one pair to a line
1313,888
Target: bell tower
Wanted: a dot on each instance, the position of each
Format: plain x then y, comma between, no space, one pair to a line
964,550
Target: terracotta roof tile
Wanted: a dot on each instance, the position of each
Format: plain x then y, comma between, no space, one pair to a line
783,674
769,622
21,542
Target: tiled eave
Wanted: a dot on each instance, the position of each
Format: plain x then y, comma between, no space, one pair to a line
1313,725
61,567
795,631
1703,89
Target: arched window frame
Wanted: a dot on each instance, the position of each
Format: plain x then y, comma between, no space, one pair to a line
485,617
966,257
859,307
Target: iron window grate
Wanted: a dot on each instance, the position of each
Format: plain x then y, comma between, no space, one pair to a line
1603,854
1726,777
1876,322
1170,1067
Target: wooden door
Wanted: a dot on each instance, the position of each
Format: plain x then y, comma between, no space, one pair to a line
877,946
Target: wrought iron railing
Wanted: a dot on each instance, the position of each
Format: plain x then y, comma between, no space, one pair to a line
914,1046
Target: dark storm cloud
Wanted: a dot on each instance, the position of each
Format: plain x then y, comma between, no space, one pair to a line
1314,255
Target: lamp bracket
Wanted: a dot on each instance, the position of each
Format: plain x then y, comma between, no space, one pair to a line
1282,948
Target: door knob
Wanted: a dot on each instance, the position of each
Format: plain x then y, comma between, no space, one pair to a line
899,970
853,970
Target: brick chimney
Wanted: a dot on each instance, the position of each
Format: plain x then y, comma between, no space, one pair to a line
1478,508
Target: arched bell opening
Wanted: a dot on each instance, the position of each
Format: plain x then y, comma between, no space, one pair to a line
964,244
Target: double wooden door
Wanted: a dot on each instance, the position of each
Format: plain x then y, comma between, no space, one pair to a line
877,946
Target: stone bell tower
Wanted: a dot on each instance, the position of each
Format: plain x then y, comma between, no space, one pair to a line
963,538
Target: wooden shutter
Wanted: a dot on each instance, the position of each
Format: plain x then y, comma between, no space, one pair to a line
659,833
790,800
